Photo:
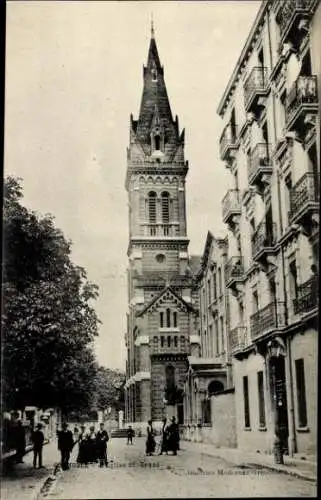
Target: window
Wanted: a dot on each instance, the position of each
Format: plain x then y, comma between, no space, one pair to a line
252,225
260,386
162,341
255,301
300,390
241,313
182,342
152,207
168,318
247,422
168,341
282,110
157,142
217,347
288,189
215,286
165,207
222,334
161,319
293,279
209,291
175,319
175,341
211,340
219,272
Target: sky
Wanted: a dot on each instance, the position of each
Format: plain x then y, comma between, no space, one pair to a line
74,73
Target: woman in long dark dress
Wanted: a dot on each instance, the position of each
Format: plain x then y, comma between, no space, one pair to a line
164,439
150,441
82,457
174,436
91,446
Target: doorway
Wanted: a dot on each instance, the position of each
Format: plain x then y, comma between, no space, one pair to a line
278,392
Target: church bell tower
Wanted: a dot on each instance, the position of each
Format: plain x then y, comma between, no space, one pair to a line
162,294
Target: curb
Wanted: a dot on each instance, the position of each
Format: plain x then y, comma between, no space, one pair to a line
46,486
274,468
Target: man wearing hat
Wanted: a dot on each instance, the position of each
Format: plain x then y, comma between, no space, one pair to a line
65,445
37,439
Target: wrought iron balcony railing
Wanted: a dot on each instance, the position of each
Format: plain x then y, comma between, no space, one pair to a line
264,238
238,337
259,162
303,194
271,317
302,93
234,269
231,204
228,139
288,11
256,83
307,296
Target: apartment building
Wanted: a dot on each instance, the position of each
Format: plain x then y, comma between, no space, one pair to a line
209,394
271,145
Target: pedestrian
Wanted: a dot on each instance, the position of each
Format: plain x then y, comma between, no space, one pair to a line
130,435
91,446
150,441
164,438
101,443
20,439
37,440
174,436
82,457
65,445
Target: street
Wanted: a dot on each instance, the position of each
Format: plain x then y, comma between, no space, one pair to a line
190,474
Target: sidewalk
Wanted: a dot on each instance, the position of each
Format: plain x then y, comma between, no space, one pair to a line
303,469
24,482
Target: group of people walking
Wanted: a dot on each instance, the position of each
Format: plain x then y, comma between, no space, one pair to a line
169,438
92,446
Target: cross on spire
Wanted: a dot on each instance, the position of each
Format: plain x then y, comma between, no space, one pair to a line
152,32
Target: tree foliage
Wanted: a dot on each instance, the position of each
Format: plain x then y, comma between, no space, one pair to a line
109,388
49,322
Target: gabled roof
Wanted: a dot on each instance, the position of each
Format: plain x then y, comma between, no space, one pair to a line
163,292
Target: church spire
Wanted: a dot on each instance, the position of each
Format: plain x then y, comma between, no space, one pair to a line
152,32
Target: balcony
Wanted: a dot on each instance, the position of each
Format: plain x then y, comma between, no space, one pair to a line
231,206
267,320
307,296
263,241
238,337
302,105
255,86
304,200
289,15
228,142
259,165
234,270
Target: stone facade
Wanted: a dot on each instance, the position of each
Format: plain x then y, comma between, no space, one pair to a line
162,289
270,143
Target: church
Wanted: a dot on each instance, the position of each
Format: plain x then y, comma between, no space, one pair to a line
162,318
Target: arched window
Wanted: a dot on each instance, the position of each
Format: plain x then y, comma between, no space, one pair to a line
168,318
175,319
157,142
152,206
220,290
165,207
161,319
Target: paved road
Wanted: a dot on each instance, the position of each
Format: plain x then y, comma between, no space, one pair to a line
132,475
